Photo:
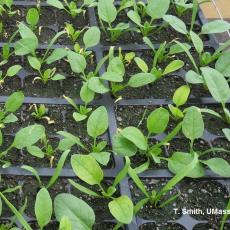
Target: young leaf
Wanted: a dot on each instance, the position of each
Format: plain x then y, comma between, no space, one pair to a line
141,79
32,17
181,95
14,102
135,17
86,94
107,11
65,224
176,23
97,122
193,124
25,46
217,84
141,64
122,209
79,213
56,3
180,160
77,62
33,171
91,37
123,146
34,62
223,64
87,169
135,136
35,151
13,70
96,85
197,42
194,78
227,133
218,166
56,55
215,26
156,9
43,207
34,132
173,66
158,120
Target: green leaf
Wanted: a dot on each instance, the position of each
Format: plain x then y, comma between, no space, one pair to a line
97,122
122,209
223,64
34,62
35,132
55,3
33,171
181,95
96,85
58,77
197,42
226,133
79,117
32,17
123,146
13,70
35,151
135,17
179,160
158,120
25,46
77,62
65,224
156,9
87,169
18,215
141,64
14,102
194,78
176,23
79,213
112,76
134,135
10,118
56,55
43,207
116,66
106,10
141,79
86,94
217,84
215,26
58,169
101,157
26,32
193,124
173,66
92,37
218,166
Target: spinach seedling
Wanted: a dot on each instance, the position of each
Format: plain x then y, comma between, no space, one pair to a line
56,174
11,72
219,89
41,112
131,141
150,12
97,125
107,13
72,33
28,44
32,18
6,7
88,170
182,6
156,197
193,128
180,97
12,104
71,7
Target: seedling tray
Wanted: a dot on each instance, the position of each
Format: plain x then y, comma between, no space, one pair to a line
183,221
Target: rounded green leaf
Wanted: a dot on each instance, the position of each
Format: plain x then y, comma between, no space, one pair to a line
181,95
87,169
141,79
223,64
176,23
158,120
77,62
193,124
78,212
14,102
43,207
97,85
92,37
156,9
215,26
32,17
122,209
13,70
34,62
28,136
98,122
134,135
106,10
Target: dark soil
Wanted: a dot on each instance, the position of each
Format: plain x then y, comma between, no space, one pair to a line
210,227
162,226
204,195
